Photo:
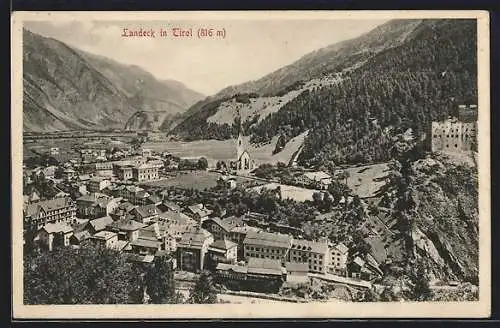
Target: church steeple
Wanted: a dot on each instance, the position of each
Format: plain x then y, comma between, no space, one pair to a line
239,146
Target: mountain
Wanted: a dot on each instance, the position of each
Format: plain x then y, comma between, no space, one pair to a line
355,96
65,88
322,66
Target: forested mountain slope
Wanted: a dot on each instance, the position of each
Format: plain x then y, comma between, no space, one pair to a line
416,71
407,86
315,65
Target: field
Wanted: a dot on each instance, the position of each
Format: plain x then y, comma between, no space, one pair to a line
225,150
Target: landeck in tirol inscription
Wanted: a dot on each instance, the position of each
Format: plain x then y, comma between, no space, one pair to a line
234,165
175,32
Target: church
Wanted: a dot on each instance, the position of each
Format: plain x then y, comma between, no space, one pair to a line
244,162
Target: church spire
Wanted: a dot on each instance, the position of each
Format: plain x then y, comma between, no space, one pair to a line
239,146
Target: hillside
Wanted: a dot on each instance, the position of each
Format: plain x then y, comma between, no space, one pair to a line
401,75
68,89
279,87
406,86
147,120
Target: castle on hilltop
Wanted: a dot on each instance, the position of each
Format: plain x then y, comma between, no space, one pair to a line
457,134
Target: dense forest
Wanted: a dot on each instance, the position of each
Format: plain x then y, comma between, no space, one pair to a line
407,86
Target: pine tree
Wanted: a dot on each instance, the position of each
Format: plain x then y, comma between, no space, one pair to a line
159,280
204,291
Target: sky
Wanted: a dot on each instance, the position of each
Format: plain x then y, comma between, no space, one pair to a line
250,49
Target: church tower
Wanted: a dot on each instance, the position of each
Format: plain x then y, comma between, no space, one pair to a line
239,146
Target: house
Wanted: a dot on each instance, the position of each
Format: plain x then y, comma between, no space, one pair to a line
223,250
145,172
238,234
315,254
78,237
338,259
296,272
135,195
49,171
147,152
96,205
153,199
97,225
266,245
126,229
68,174
217,227
97,184
199,212
146,245
364,269
55,210
168,206
123,171
145,213
177,223
319,178
192,249
54,151
33,197
53,235
105,238
227,182
84,177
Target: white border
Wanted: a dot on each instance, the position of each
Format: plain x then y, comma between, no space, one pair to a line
479,309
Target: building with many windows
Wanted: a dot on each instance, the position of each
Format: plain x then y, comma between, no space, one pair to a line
314,253
192,249
456,134
50,211
145,172
338,259
267,245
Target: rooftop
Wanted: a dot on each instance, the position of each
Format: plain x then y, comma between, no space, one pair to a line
194,239
146,210
100,223
57,227
126,225
223,244
264,266
148,243
263,238
104,235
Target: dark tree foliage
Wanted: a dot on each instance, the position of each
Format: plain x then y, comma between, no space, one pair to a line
197,127
159,281
408,86
89,275
203,292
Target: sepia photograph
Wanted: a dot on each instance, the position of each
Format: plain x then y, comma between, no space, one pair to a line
250,164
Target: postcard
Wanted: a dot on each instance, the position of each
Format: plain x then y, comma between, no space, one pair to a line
258,164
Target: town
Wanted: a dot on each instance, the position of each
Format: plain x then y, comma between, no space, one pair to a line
113,197
102,197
